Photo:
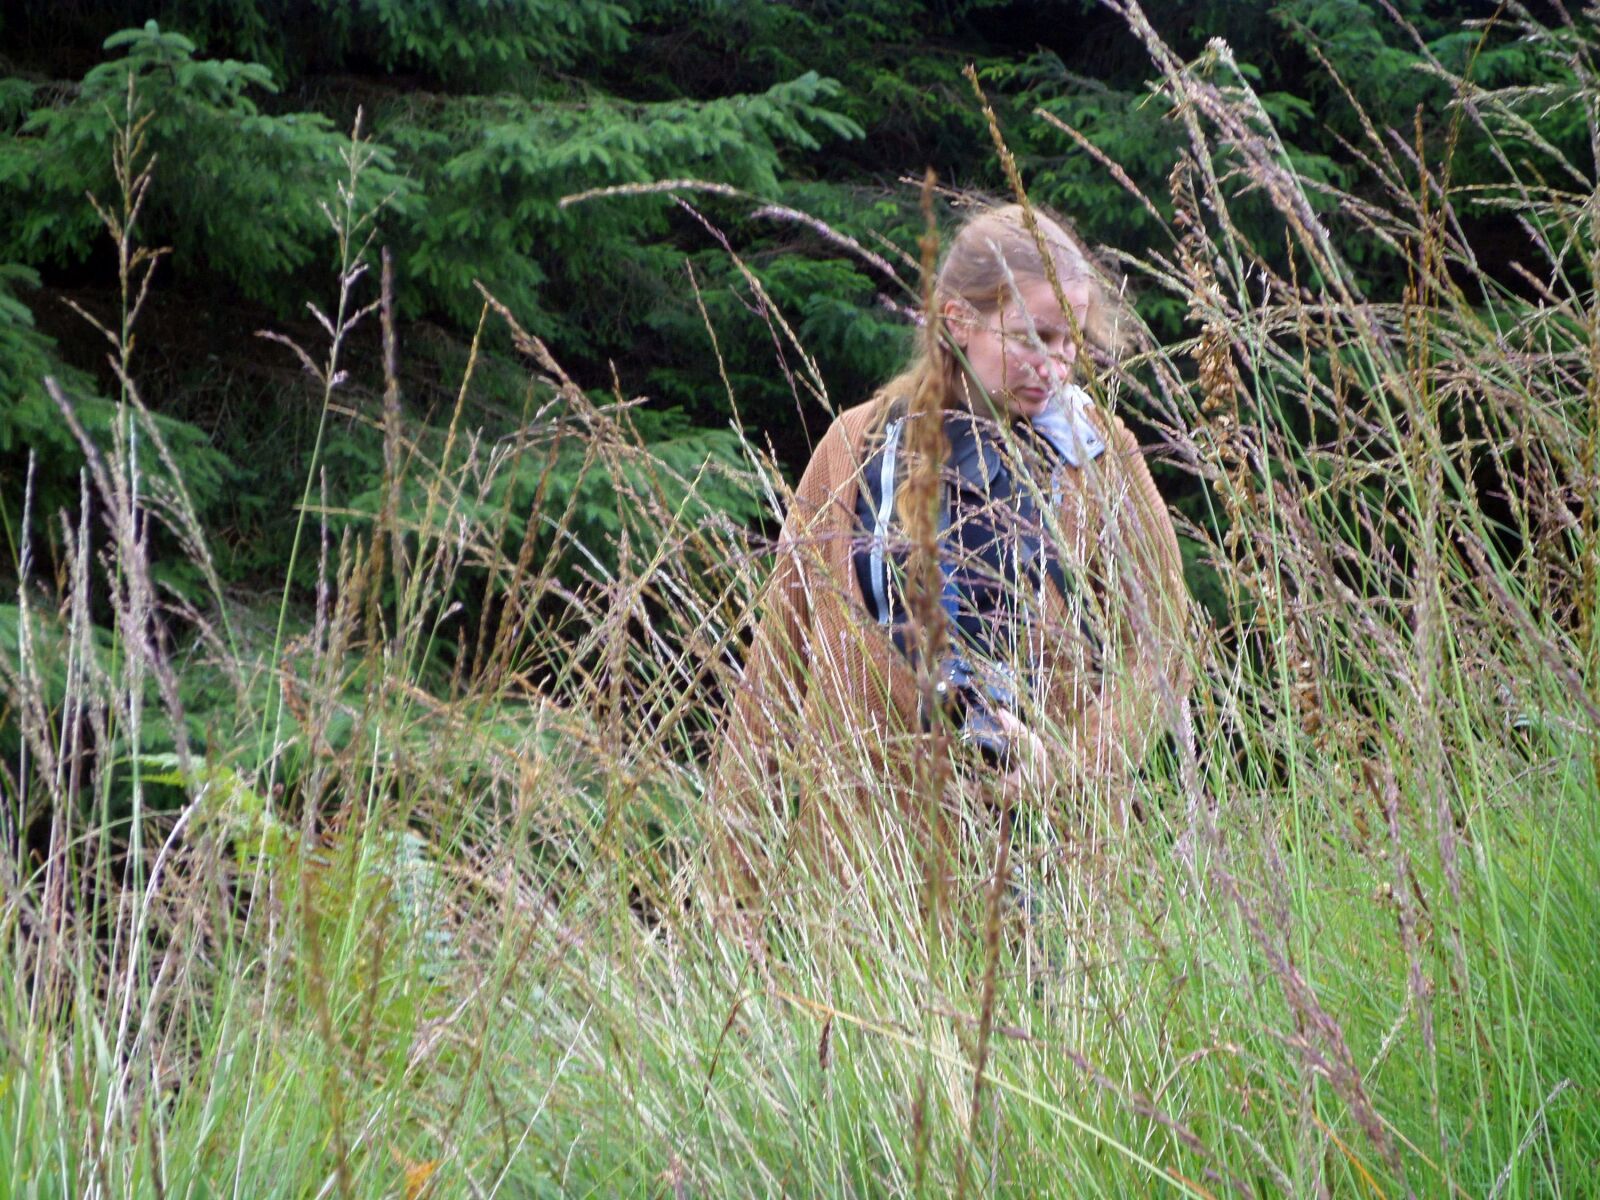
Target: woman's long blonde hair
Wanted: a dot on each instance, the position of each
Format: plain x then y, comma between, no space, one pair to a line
994,251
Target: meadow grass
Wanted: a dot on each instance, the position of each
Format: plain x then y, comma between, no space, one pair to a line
404,934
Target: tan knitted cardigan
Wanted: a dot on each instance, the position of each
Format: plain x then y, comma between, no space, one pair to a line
824,684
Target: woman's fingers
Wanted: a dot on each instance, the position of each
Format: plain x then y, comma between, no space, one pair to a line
1008,722
1029,760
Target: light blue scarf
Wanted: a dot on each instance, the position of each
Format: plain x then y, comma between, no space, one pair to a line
1065,425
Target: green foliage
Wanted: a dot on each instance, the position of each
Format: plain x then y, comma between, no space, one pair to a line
480,117
224,166
16,99
834,305
481,44
46,654
34,424
35,437
690,471
470,177
28,417
496,169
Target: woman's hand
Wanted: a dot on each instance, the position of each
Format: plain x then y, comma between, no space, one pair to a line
1030,763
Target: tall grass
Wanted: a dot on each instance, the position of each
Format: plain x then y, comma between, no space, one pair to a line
411,934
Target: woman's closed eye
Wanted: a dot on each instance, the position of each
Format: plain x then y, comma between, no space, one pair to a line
1047,335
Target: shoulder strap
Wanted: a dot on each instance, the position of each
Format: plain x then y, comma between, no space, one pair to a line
879,573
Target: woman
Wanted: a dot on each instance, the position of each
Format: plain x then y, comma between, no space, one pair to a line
1060,583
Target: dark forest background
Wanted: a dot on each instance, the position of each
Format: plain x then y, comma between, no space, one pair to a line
482,116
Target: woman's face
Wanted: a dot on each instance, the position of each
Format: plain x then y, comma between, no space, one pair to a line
1021,351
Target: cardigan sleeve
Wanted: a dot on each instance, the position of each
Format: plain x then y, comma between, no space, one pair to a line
1141,562
771,695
